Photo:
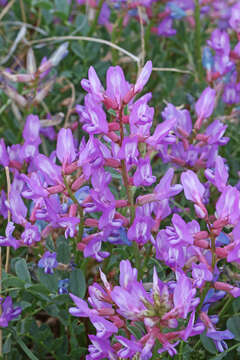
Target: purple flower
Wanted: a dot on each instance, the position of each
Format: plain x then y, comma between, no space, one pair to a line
163,190
234,20
143,77
129,151
93,85
93,117
8,311
128,275
143,175
17,207
219,176
117,86
219,337
100,349
179,233
204,106
184,295
104,328
4,157
194,191
63,286
165,28
65,147
51,171
31,130
93,249
30,235
227,207
201,274
82,309
48,262
140,231
9,240
161,132
129,349
220,42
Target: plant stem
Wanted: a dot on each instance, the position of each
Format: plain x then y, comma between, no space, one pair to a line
95,21
198,56
116,33
225,306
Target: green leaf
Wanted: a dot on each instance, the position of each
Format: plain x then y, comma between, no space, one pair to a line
44,5
135,331
13,281
77,283
50,281
27,351
63,253
208,343
78,50
22,271
62,6
233,324
7,344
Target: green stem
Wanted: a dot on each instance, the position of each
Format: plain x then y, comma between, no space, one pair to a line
225,306
116,33
198,55
95,21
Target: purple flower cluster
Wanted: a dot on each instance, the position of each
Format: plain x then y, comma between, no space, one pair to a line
73,192
220,61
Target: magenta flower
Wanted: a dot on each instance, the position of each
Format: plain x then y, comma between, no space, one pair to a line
8,311
194,191
201,274
204,106
143,77
30,235
143,175
129,151
93,249
140,231
227,207
219,176
4,157
65,150
9,240
48,262
220,42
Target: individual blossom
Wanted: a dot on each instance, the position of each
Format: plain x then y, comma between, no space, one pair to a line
201,274
4,157
8,311
48,262
93,249
143,175
227,206
219,176
204,106
140,230
65,150
93,117
9,239
63,286
164,190
194,191
30,235
129,151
